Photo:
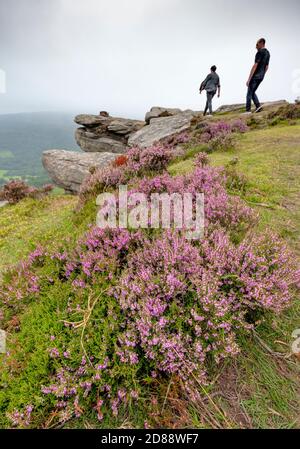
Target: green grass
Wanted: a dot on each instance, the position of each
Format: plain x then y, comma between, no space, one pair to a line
262,387
268,384
40,222
270,159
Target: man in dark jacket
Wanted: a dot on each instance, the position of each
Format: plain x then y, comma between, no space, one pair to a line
257,74
211,84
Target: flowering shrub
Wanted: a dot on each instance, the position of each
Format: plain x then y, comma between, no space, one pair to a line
171,307
185,304
213,130
223,142
178,139
153,159
125,309
219,134
221,209
239,126
137,162
15,190
201,160
102,179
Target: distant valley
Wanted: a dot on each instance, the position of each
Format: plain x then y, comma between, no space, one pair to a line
24,137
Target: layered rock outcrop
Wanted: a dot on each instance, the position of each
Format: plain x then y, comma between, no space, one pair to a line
102,138
102,133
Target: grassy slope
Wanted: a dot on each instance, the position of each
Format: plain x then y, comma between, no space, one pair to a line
33,222
260,389
270,159
264,389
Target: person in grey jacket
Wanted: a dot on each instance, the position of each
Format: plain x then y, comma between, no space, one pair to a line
212,85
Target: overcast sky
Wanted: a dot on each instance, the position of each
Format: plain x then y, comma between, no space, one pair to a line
125,56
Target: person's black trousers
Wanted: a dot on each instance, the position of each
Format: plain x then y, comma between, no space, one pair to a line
251,94
210,96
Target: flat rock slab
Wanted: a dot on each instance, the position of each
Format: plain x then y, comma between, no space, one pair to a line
3,203
68,169
159,129
90,120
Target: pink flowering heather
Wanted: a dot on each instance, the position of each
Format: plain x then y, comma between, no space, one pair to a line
138,162
223,129
102,179
184,304
221,209
21,419
239,126
153,159
135,306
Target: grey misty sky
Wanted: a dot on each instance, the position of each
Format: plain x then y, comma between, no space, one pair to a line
126,56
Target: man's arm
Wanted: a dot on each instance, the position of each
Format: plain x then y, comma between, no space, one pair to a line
267,68
203,84
253,70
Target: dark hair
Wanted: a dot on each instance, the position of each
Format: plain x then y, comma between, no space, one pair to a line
262,41
213,68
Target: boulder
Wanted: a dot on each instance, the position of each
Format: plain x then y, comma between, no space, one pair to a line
3,203
158,112
68,169
93,143
161,128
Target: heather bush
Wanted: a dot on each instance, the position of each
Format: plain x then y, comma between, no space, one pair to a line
121,311
235,180
201,160
222,142
185,304
134,308
102,179
16,190
218,135
213,130
287,112
239,126
221,209
136,163
152,159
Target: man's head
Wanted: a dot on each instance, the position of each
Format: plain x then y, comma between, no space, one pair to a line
261,43
213,68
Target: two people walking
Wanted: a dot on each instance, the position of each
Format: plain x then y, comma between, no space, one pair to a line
212,82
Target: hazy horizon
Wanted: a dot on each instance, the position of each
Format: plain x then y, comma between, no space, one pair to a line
124,57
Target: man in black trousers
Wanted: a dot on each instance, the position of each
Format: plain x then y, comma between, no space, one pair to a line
211,84
257,74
